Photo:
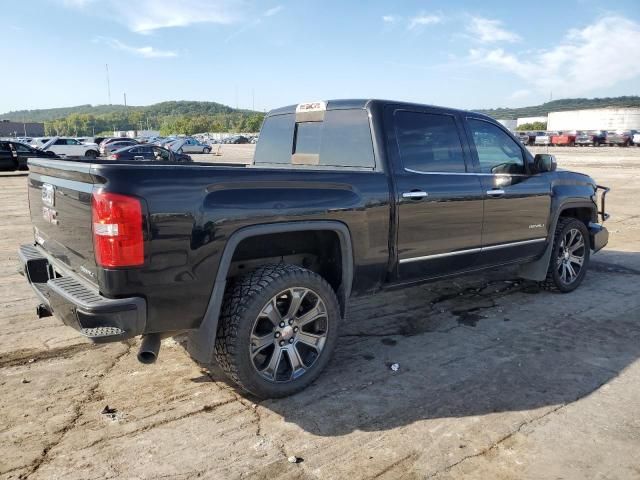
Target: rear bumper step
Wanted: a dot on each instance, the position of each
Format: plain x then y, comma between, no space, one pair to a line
79,306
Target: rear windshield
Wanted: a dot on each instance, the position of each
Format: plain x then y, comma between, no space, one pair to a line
341,139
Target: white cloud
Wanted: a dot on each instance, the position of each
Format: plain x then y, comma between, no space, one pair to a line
146,52
486,30
390,18
520,94
272,11
585,60
145,16
423,20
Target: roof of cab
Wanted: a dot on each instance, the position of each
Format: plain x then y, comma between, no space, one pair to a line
359,103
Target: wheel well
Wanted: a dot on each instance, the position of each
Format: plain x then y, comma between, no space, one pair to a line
315,250
584,214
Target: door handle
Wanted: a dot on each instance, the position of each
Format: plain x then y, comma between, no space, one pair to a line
496,192
415,194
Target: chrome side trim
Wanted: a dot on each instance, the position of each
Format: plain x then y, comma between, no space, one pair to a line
471,250
470,173
439,255
514,244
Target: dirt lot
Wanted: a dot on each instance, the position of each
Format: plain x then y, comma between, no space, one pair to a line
497,380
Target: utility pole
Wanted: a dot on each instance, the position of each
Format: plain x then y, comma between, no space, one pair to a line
108,83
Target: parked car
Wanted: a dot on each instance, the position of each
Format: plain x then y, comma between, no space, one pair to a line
622,138
191,145
14,155
524,138
236,139
107,142
258,264
148,152
37,142
544,138
636,139
70,147
564,139
117,145
594,138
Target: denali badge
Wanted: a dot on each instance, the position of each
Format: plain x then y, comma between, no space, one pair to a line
48,195
537,225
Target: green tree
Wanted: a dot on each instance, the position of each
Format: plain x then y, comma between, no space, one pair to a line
532,126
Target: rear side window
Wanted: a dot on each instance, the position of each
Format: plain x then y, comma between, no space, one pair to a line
341,139
429,142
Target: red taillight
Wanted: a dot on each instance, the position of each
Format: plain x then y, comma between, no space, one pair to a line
114,156
117,230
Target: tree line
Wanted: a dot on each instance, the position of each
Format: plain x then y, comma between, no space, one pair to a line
86,124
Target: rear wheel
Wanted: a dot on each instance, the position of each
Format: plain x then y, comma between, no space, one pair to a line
570,256
91,154
278,328
206,150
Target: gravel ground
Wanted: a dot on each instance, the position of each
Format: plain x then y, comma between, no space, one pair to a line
496,380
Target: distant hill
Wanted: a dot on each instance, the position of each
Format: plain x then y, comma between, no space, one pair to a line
182,107
191,108
560,105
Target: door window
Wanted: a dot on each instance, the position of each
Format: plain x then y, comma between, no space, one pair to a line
497,151
429,142
22,148
4,147
161,153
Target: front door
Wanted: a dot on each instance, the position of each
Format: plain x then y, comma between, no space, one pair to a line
439,201
517,203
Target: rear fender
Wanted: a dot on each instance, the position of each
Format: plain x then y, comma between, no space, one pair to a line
202,340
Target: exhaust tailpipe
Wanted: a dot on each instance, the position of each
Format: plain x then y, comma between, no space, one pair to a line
148,352
43,311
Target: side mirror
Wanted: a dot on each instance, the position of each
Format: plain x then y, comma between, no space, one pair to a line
544,162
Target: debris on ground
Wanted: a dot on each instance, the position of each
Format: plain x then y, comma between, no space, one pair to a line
294,459
109,412
395,367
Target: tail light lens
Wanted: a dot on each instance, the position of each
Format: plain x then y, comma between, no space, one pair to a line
114,156
117,230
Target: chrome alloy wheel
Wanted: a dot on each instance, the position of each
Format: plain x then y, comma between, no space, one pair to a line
571,255
289,334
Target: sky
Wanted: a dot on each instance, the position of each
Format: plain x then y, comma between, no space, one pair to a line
270,53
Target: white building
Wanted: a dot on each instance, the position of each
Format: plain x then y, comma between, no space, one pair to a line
524,120
596,119
510,124
136,133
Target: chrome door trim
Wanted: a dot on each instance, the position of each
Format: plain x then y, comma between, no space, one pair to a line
470,173
419,194
440,255
472,250
514,244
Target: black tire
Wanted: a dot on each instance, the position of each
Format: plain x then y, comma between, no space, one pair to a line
246,299
557,278
91,154
206,150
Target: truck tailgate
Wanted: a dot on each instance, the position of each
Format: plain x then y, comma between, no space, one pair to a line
60,207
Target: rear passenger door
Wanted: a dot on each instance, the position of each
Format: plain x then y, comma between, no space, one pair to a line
517,202
439,201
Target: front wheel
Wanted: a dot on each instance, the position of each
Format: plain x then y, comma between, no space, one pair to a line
91,154
278,328
569,257
206,150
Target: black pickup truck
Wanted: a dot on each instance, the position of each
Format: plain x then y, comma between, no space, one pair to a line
258,263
